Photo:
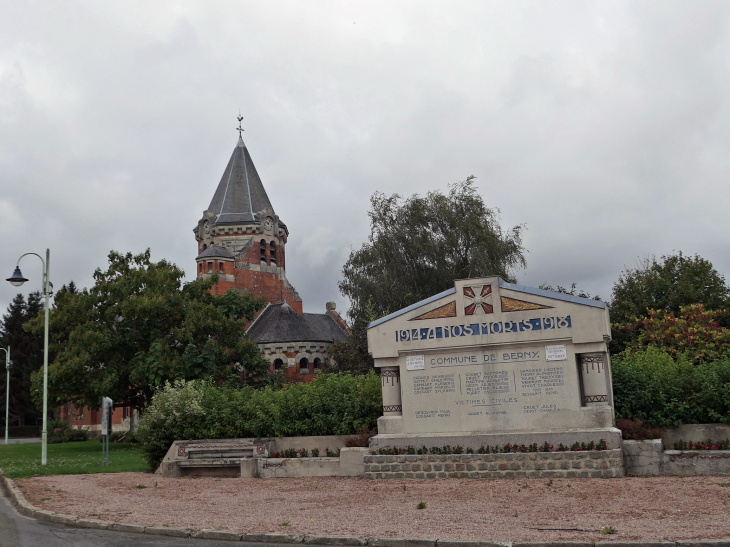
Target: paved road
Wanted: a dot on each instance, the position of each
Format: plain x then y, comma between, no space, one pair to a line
17,530
22,440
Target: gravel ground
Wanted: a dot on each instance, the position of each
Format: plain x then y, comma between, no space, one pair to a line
655,508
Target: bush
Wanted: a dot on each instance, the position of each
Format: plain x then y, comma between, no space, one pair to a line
637,430
62,433
76,435
130,437
332,404
361,438
59,425
660,390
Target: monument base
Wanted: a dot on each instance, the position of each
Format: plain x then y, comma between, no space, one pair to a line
597,464
475,440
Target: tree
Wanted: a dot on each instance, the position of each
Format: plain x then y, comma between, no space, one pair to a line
695,332
418,246
574,291
666,285
352,354
26,353
139,326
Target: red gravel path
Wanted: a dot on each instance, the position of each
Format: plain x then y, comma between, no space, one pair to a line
656,508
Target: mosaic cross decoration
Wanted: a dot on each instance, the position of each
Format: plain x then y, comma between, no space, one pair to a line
478,300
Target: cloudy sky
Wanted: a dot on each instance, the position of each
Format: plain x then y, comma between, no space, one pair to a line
602,127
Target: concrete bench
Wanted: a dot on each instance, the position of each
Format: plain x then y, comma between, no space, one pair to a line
212,459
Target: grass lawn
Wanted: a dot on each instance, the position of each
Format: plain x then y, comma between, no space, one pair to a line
24,460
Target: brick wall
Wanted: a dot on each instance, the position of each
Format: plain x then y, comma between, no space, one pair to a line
260,278
532,465
266,285
91,419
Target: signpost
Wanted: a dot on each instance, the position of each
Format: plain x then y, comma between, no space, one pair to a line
106,426
8,364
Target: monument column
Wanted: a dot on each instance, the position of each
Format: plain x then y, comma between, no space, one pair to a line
593,378
390,380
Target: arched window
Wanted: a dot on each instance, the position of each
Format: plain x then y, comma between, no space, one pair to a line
317,363
278,363
304,365
263,251
272,253
204,246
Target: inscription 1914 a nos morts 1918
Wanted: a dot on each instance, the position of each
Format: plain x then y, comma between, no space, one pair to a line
490,362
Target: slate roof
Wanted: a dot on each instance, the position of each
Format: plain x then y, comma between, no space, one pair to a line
215,251
326,324
240,193
281,323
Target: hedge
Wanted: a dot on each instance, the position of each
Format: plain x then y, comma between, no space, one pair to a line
18,431
664,391
332,404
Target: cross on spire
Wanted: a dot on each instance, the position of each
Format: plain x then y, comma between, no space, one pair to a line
239,128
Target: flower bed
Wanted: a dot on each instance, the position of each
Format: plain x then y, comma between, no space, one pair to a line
304,453
703,445
506,449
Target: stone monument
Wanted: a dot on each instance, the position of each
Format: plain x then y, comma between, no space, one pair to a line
490,362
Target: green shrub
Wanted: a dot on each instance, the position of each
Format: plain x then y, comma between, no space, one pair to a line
62,433
637,430
59,425
130,437
332,404
76,435
660,390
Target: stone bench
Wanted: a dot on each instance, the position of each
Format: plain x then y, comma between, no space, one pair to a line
211,459
194,452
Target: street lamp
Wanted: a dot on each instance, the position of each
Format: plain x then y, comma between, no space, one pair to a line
8,363
16,280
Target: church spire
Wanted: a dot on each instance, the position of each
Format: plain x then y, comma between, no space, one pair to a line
240,195
241,221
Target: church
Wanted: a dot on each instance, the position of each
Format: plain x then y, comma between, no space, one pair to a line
242,239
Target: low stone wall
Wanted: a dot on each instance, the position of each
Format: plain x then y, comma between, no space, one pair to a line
696,462
349,464
176,464
650,458
695,432
643,457
594,464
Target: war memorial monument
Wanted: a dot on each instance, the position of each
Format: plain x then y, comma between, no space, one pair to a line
488,363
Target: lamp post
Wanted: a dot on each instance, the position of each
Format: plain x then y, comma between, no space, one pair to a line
16,280
7,391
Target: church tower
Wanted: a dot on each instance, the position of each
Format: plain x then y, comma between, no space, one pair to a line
241,238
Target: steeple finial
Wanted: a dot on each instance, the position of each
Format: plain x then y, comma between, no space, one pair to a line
239,128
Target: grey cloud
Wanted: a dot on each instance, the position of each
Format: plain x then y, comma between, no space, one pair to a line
602,127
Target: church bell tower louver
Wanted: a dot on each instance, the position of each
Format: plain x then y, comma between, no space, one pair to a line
241,238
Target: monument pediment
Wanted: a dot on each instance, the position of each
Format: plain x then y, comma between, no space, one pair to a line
489,311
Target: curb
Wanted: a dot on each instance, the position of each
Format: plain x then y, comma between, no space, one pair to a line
17,499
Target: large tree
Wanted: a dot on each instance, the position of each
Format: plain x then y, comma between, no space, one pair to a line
139,326
26,352
417,247
665,285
